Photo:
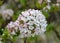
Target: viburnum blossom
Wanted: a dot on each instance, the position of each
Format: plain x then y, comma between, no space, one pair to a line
29,23
13,27
7,14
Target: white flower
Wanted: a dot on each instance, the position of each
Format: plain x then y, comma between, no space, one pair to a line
10,25
13,33
13,27
35,20
31,27
30,23
7,14
25,33
32,12
26,13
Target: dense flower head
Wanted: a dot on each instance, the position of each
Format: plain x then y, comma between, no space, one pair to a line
30,23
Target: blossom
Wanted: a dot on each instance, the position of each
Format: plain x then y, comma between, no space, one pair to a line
30,23
13,27
7,14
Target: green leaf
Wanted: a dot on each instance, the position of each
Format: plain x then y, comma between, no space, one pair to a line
5,33
38,5
50,27
1,22
1,31
1,3
46,14
14,38
32,38
23,2
43,4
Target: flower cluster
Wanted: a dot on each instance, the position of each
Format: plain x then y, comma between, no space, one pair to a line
29,23
13,27
7,14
